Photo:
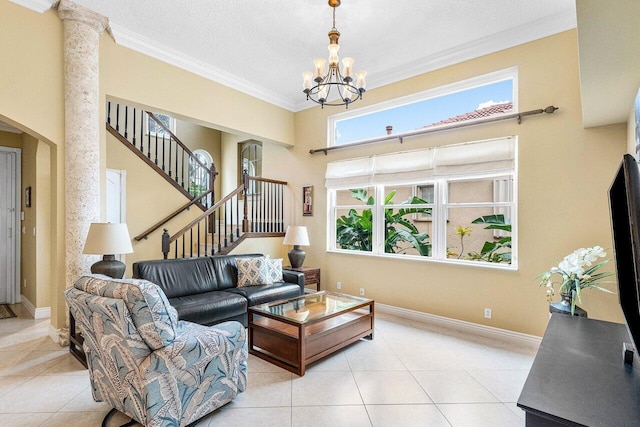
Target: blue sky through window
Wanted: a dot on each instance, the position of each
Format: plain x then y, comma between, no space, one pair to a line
422,113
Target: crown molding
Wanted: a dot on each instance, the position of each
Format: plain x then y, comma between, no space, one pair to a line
496,42
39,6
135,41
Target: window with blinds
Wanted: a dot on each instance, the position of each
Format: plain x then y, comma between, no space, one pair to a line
454,203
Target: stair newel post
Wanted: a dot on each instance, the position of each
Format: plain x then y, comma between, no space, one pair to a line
166,243
245,219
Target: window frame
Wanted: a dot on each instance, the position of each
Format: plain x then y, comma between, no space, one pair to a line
460,86
172,125
440,206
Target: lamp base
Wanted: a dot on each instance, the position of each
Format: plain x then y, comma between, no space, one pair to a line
109,266
296,256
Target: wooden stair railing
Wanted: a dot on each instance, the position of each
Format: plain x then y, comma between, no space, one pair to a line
165,153
254,209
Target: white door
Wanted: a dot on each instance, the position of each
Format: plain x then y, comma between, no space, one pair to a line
116,192
116,197
9,225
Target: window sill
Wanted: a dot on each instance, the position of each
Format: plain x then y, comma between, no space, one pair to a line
415,258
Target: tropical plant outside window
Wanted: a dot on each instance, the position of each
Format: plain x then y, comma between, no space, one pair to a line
470,238
355,229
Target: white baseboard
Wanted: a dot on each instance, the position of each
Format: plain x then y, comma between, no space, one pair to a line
515,338
36,313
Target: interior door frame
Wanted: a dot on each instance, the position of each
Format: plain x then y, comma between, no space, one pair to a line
16,229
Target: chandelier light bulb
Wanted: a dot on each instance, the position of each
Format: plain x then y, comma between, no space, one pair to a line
347,64
361,82
319,64
333,54
307,78
322,95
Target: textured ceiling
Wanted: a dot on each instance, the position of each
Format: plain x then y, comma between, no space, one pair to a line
262,47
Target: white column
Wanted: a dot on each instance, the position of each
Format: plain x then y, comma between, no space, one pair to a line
82,29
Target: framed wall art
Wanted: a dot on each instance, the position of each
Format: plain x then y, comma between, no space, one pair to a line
307,200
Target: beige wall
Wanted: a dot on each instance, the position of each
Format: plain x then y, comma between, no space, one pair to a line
42,201
564,173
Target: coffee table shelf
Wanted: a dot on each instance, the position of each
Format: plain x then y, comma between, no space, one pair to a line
296,332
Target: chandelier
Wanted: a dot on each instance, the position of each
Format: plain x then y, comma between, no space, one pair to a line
333,79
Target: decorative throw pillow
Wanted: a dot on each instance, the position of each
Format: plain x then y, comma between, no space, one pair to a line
274,269
253,272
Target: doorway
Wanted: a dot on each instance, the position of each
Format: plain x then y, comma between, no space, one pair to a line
9,225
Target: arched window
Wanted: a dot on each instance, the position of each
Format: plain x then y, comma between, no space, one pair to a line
251,163
198,175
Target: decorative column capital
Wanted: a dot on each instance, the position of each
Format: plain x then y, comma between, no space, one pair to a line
68,10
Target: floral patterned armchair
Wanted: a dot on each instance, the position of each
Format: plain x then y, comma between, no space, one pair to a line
146,363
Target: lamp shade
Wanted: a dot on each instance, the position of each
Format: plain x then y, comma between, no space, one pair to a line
108,238
296,235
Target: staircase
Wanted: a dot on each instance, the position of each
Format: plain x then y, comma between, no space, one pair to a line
253,209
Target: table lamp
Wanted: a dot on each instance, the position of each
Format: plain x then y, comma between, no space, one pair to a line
108,239
297,236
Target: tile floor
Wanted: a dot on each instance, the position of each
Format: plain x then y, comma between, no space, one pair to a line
411,374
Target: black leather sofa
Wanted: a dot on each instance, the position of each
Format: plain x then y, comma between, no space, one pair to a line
205,290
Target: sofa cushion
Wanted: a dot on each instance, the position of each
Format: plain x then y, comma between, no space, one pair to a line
253,271
227,270
178,277
209,307
268,293
274,270
155,319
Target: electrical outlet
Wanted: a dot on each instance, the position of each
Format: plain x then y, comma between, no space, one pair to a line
25,283
487,313
361,292
339,285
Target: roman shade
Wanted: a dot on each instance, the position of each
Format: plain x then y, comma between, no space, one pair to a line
488,156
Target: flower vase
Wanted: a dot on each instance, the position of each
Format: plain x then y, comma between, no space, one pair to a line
564,306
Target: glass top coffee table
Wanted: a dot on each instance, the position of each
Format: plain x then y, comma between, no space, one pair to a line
295,332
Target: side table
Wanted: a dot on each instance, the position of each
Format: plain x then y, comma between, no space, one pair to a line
311,275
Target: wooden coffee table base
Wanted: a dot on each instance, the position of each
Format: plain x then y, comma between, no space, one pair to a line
292,345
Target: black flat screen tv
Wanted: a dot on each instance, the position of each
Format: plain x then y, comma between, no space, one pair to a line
624,203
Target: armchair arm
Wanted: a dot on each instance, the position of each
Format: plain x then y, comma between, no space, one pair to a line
291,276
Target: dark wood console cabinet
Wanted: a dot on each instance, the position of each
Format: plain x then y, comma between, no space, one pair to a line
578,377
